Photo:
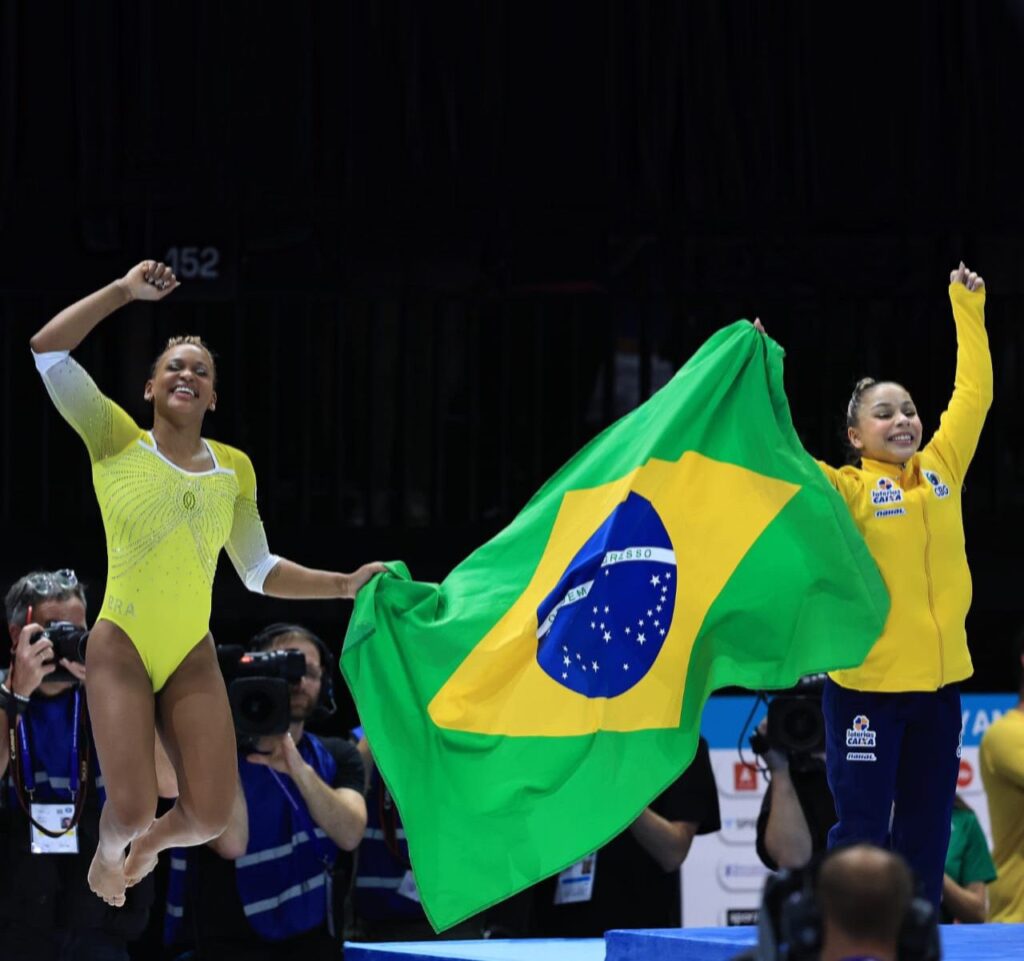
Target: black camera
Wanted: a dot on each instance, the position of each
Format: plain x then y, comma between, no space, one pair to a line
68,642
796,725
258,689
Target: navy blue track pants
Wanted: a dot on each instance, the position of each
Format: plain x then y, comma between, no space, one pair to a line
899,749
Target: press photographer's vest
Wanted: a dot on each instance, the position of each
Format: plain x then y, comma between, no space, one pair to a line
284,878
383,861
47,728
50,890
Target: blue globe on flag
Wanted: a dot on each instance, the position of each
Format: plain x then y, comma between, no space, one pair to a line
602,627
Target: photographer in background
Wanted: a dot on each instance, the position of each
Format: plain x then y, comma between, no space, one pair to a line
797,811
47,910
266,888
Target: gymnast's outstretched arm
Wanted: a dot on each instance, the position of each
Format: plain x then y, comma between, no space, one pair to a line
288,579
66,330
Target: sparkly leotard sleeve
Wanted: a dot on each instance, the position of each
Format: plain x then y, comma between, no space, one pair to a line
164,526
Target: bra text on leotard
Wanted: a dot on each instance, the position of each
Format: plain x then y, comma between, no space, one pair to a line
117,606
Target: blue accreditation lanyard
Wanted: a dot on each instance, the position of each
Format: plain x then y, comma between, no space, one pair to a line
28,771
321,851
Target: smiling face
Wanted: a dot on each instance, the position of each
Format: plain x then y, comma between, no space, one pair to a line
887,427
182,385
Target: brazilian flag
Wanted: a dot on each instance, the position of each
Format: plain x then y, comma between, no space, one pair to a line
526,710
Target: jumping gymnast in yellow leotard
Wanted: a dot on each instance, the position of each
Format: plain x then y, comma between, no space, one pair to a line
170,501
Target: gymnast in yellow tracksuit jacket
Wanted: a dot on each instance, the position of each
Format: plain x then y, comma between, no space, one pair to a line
170,501
893,723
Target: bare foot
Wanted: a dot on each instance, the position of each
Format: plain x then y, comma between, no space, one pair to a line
106,879
142,858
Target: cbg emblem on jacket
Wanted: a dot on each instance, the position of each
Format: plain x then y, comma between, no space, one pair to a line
941,490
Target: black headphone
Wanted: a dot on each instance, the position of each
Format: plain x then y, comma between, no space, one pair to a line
790,924
263,640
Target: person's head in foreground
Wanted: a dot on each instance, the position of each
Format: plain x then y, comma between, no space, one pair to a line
863,894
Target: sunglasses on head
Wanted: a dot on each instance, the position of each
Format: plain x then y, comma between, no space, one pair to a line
46,583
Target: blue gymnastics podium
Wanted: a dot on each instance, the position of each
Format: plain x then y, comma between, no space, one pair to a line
527,949
960,942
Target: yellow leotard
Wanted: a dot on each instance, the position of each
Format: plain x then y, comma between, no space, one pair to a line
164,526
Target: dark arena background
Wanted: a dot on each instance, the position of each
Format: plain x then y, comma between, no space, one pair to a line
440,246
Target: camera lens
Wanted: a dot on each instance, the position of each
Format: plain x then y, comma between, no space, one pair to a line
259,705
802,728
796,724
256,707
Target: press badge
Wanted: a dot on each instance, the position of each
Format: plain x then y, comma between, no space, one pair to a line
408,888
576,883
54,817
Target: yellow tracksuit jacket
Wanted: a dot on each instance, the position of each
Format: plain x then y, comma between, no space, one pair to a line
911,519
